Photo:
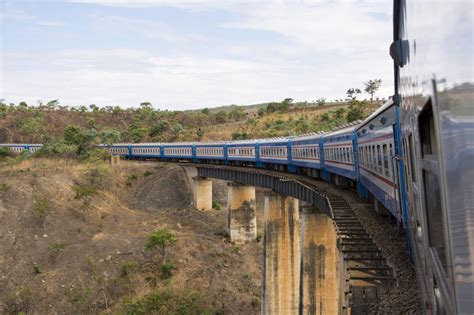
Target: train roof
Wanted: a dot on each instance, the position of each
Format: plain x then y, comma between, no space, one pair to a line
310,136
380,110
346,128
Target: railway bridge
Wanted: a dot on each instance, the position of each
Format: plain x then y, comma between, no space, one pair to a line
317,256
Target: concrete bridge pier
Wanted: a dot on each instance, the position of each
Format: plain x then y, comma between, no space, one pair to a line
202,191
281,254
241,213
319,264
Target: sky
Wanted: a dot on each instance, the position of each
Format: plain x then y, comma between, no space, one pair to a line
186,54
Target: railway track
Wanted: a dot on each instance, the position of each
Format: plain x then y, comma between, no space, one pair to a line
366,272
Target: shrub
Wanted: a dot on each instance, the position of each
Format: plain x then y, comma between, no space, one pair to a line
98,154
56,248
4,188
132,177
4,152
37,269
166,270
321,101
147,173
160,238
216,205
17,301
42,207
127,268
167,302
84,193
81,298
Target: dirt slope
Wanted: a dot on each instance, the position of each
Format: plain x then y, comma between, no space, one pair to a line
87,262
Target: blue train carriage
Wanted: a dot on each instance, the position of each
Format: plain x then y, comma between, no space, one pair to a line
242,152
120,149
306,154
212,152
435,83
275,154
338,162
18,148
144,150
179,151
377,163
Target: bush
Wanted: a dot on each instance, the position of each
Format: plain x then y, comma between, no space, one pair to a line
4,152
167,302
42,207
216,205
4,188
127,268
166,270
160,239
56,248
17,301
98,154
147,173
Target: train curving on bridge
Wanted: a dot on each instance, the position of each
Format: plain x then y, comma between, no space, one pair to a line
413,157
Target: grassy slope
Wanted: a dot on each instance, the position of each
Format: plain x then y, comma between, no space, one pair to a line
29,126
87,275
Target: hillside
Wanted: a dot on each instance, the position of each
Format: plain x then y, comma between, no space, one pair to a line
41,124
74,252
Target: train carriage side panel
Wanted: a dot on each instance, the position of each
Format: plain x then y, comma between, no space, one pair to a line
378,169
305,152
338,153
274,151
244,151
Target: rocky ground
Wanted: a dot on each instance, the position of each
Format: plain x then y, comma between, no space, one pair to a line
63,254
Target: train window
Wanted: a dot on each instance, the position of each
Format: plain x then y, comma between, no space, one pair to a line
410,157
427,132
434,215
431,185
379,159
385,160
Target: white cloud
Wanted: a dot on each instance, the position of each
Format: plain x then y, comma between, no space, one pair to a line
324,47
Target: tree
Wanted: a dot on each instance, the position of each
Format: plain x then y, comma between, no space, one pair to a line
177,128
356,110
110,136
321,101
372,86
94,108
160,239
51,105
205,111
158,129
352,93
74,135
236,113
84,193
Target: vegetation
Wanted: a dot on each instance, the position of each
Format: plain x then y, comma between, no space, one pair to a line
4,188
160,239
72,132
84,193
166,270
216,205
127,268
372,86
167,302
18,301
42,206
56,248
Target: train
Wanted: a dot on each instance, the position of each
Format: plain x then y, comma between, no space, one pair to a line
413,157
